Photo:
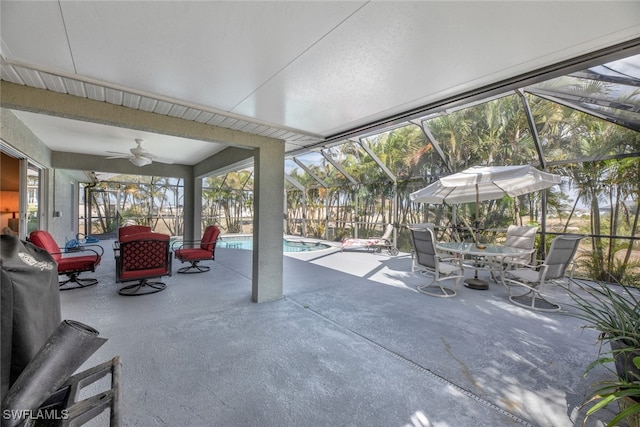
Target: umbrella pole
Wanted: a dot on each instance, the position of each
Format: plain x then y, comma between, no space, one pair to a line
476,222
476,283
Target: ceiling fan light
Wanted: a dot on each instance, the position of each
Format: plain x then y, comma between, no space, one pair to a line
140,161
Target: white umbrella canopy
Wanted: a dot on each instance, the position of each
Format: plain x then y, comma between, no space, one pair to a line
480,183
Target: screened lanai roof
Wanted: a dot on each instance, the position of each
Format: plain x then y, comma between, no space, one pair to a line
609,91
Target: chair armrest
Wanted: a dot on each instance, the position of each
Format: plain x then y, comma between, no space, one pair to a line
447,258
511,264
95,248
79,251
450,259
573,265
179,244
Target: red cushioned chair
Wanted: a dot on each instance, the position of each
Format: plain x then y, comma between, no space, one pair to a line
81,259
140,257
185,251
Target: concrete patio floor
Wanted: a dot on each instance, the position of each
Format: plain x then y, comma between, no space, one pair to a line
352,343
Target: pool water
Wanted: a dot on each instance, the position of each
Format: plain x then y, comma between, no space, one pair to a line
287,245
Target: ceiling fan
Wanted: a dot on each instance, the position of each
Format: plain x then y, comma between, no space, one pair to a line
139,156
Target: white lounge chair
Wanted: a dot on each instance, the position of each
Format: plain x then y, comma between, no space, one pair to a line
376,244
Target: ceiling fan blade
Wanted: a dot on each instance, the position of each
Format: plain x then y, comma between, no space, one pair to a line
162,160
139,156
155,158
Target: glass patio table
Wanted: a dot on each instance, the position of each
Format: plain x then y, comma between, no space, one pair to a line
487,250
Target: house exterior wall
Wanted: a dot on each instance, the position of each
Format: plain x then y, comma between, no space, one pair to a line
63,211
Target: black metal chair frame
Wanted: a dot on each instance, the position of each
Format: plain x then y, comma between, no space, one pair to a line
188,245
143,286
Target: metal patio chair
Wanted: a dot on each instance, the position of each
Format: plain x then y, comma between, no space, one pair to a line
439,266
519,237
139,258
534,278
205,251
70,263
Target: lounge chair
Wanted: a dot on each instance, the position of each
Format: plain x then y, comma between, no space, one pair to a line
375,244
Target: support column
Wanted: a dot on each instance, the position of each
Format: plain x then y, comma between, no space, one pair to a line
267,277
197,205
192,208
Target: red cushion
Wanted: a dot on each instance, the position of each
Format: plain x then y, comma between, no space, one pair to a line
147,235
78,263
143,274
66,264
132,229
193,254
44,240
209,238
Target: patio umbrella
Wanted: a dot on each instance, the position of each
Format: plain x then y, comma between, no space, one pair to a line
480,183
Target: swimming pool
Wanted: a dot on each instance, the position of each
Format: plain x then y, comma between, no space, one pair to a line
246,242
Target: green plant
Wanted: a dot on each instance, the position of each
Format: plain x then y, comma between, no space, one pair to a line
625,393
617,317
626,272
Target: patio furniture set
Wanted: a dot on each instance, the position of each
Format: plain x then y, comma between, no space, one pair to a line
510,264
141,255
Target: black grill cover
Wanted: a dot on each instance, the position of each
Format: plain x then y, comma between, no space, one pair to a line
29,306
